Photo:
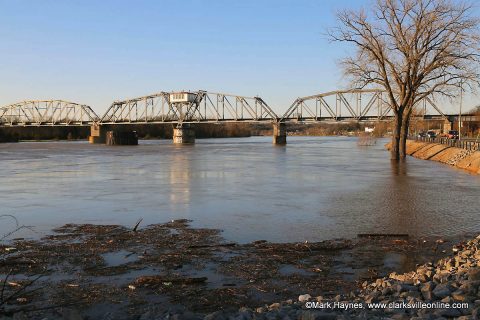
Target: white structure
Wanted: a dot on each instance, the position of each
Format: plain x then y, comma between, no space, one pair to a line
182,97
369,130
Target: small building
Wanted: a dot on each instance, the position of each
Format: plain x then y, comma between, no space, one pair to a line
182,97
369,130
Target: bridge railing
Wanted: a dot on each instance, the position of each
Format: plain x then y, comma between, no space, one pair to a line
463,144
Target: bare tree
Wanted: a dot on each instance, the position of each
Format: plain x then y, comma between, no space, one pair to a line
413,49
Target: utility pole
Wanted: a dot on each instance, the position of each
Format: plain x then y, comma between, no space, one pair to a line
460,113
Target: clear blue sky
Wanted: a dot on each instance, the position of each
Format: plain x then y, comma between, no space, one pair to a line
94,52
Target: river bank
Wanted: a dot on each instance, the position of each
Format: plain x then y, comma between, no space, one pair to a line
165,131
113,272
459,158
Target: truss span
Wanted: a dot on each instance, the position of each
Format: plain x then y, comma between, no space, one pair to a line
47,112
199,106
352,105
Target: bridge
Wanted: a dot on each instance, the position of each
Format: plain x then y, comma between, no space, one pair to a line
186,107
47,112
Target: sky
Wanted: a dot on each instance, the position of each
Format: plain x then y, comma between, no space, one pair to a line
94,52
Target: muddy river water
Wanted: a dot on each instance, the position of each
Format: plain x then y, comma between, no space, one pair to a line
315,188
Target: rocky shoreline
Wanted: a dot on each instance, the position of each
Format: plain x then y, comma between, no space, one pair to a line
447,289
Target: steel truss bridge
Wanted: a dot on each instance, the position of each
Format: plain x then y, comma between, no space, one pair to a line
348,105
47,112
204,107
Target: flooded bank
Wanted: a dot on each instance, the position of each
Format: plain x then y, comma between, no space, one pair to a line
111,271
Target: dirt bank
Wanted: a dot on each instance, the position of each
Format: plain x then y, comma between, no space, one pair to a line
460,158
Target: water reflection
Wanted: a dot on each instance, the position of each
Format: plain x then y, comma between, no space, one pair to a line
403,200
399,167
180,175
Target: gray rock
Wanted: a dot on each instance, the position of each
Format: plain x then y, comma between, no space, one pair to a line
459,295
304,297
426,290
71,314
317,315
272,315
386,291
244,316
449,313
476,313
146,316
401,287
441,291
258,316
261,310
474,274
217,315
19,316
274,306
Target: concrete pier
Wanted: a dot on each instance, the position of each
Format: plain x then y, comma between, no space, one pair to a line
98,134
183,134
279,133
101,134
121,138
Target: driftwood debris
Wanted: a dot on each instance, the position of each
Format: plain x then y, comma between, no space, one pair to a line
382,235
149,281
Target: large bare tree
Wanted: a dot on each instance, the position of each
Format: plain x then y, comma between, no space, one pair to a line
413,49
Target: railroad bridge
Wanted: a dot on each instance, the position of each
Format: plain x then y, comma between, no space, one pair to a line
186,107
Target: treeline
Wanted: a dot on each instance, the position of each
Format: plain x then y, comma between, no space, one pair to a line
151,131
202,130
45,133
6,137
326,129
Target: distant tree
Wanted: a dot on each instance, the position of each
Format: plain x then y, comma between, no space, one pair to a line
475,111
413,49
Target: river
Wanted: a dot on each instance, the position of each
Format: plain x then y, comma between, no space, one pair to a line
313,189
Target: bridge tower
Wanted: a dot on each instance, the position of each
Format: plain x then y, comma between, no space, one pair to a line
185,105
